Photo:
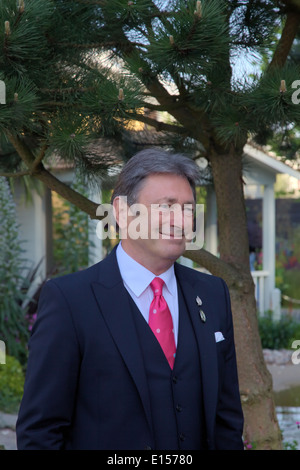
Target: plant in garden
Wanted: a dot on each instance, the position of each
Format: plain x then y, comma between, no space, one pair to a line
76,70
11,385
277,334
287,269
13,329
70,230
293,445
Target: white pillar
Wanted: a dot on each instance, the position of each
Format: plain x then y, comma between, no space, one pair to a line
32,219
211,222
269,253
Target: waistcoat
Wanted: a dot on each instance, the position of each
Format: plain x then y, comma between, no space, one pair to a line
175,395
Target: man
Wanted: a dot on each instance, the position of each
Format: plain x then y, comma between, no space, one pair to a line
136,352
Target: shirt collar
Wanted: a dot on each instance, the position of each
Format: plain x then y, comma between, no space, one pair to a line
137,277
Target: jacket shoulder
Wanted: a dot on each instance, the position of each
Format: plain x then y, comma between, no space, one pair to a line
79,277
195,275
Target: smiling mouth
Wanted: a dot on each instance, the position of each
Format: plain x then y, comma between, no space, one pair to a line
171,233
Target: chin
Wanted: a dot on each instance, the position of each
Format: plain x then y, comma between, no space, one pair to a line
172,248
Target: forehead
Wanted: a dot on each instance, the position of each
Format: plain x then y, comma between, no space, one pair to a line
159,186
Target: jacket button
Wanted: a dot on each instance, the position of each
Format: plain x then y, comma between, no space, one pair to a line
174,379
182,437
178,408
148,448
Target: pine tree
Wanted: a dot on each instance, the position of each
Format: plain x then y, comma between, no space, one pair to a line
77,70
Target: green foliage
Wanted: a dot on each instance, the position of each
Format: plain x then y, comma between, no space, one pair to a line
268,100
290,445
65,62
70,231
277,334
25,46
11,385
291,287
191,45
287,268
13,328
253,23
22,103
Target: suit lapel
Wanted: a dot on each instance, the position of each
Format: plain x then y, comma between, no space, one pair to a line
204,331
113,302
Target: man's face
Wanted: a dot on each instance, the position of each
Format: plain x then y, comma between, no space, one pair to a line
157,226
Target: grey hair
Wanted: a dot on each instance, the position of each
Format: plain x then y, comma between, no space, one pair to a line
152,161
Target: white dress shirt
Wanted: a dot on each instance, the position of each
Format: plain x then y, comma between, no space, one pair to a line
137,281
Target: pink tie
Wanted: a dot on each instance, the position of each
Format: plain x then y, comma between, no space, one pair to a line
160,321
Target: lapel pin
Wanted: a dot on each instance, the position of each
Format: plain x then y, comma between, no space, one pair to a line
198,300
202,316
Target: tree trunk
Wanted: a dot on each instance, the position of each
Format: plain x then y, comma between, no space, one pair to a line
261,426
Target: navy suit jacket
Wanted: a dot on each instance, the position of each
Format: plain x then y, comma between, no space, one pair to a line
86,386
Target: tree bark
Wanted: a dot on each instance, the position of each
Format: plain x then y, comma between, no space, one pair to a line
288,35
261,426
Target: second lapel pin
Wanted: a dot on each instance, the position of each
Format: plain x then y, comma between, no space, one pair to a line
202,316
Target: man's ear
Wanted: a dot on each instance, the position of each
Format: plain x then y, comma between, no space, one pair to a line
120,210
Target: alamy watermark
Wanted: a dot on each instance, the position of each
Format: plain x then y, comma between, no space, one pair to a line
2,353
2,92
295,95
296,354
154,221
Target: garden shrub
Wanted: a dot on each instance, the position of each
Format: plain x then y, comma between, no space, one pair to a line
277,334
13,327
11,385
70,234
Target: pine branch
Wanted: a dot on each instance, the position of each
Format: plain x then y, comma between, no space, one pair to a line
82,202
214,265
100,45
159,126
158,91
285,43
101,3
37,169
39,158
69,90
61,104
15,174
157,14
157,107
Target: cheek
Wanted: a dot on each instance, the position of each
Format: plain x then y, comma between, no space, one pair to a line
188,222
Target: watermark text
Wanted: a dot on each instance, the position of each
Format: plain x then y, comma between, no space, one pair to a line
2,352
296,354
2,92
153,222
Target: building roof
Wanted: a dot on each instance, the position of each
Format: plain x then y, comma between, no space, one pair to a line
271,163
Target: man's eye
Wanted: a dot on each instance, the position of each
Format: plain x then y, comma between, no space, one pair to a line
188,211
164,207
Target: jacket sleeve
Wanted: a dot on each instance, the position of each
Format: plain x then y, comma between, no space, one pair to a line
229,418
53,366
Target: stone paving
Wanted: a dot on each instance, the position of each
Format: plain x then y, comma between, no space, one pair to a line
7,431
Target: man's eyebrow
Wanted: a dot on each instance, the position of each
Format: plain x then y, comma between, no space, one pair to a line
171,200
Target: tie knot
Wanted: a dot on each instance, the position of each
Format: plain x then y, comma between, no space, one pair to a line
157,285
